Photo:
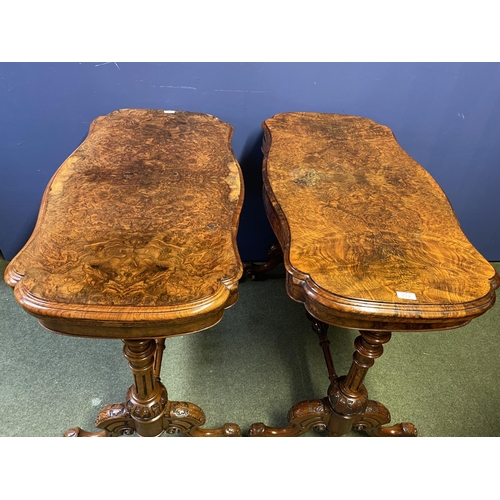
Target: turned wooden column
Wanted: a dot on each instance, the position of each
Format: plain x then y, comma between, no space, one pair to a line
321,330
347,395
147,398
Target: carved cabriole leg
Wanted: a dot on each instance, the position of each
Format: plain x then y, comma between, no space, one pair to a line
376,414
303,417
147,410
187,418
348,397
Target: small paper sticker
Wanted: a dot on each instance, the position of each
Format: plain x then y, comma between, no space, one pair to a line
406,295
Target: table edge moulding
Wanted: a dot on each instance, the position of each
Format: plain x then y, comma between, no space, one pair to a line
136,240
369,242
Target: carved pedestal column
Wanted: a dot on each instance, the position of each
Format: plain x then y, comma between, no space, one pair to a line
147,410
347,395
147,398
347,405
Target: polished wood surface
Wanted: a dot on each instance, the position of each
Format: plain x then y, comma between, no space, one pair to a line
147,411
136,235
359,221
369,242
136,240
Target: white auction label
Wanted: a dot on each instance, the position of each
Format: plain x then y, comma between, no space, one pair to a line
406,295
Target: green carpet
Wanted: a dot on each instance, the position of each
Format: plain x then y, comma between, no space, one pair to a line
253,366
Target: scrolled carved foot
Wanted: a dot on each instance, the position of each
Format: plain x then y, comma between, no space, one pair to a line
258,429
375,416
77,432
187,418
249,272
114,420
303,417
404,429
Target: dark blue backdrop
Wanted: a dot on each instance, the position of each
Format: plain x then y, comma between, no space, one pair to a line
445,115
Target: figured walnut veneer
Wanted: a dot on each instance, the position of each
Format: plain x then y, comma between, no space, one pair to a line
359,220
370,242
136,240
136,235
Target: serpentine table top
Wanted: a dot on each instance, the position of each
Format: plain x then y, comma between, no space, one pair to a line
369,238
136,240
136,235
369,242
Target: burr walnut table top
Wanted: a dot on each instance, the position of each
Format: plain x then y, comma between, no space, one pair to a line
136,235
370,240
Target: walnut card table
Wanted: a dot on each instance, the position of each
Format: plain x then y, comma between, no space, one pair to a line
369,242
136,240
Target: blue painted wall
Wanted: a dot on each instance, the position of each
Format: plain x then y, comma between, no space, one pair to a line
445,115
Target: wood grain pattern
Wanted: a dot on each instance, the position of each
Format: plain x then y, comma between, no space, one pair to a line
360,220
136,235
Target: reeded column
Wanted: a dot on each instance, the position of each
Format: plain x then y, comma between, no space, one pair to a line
147,398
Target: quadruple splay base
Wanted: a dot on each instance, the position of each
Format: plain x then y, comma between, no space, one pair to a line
147,410
318,415
347,406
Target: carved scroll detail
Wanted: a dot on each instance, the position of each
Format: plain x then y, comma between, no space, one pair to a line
375,416
254,270
303,417
147,410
